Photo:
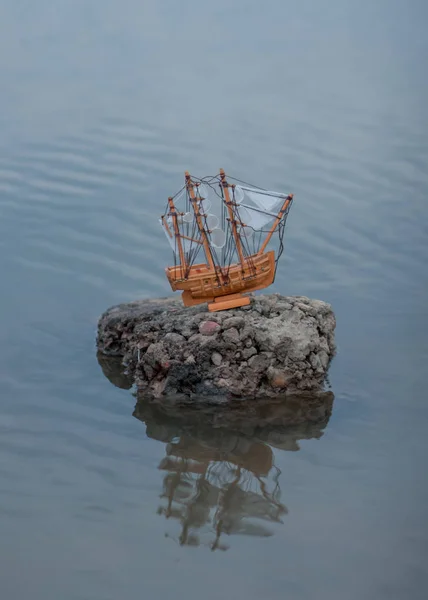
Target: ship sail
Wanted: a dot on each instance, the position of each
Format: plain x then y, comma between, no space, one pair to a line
179,227
253,209
192,221
256,209
167,224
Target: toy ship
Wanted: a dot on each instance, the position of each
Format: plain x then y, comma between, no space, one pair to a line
219,233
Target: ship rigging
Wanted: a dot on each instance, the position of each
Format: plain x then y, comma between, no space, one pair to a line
228,226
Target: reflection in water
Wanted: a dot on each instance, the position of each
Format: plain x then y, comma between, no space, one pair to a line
220,474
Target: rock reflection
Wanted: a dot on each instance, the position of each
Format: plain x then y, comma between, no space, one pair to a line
220,474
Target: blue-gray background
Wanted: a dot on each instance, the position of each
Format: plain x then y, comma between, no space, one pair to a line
103,105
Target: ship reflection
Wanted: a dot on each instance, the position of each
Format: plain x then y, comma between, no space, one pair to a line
220,477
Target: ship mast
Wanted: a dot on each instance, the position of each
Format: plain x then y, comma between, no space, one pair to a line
232,219
275,223
205,241
173,213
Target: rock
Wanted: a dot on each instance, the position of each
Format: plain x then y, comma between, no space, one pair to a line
248,352
208,328
216,358
231,335
236,322
315,361
174,338
276,344
277,378
259,363
323,358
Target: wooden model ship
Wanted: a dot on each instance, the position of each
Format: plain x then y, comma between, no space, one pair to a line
228,227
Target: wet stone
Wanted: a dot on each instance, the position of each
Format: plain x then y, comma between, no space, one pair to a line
275,345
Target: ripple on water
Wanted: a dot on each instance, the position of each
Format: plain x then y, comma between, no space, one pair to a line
78,205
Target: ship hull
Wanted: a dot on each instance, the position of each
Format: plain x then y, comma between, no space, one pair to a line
203,284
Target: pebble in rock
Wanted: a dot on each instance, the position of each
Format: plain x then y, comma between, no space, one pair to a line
208,328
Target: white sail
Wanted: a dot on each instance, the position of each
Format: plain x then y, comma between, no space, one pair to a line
168,226
257,208
211,221
204,206
264,199
242,215
217,238
258,219
201,191
168,231
246,232
187,217
237,194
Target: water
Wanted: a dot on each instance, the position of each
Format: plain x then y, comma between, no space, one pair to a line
103,106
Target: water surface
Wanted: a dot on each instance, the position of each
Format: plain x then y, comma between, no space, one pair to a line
103,106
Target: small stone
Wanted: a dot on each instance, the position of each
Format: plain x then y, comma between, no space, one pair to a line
315,361
237,322
208,328
175,338
222,383
262,339
310,310
190,360
323,356
248,343
231,335
249,352
277,378
159,387
280,381
281,349
216,358
259,363
323,344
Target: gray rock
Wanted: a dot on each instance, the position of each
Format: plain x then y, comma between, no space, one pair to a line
174,338
324,358
276,345
231,335
216,358
237,322
248,352
259,363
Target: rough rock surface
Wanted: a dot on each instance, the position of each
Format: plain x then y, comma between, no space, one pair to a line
277,344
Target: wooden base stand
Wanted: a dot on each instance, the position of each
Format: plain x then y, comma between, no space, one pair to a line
231,301
188,299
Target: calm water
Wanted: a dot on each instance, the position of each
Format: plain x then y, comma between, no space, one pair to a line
103,105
